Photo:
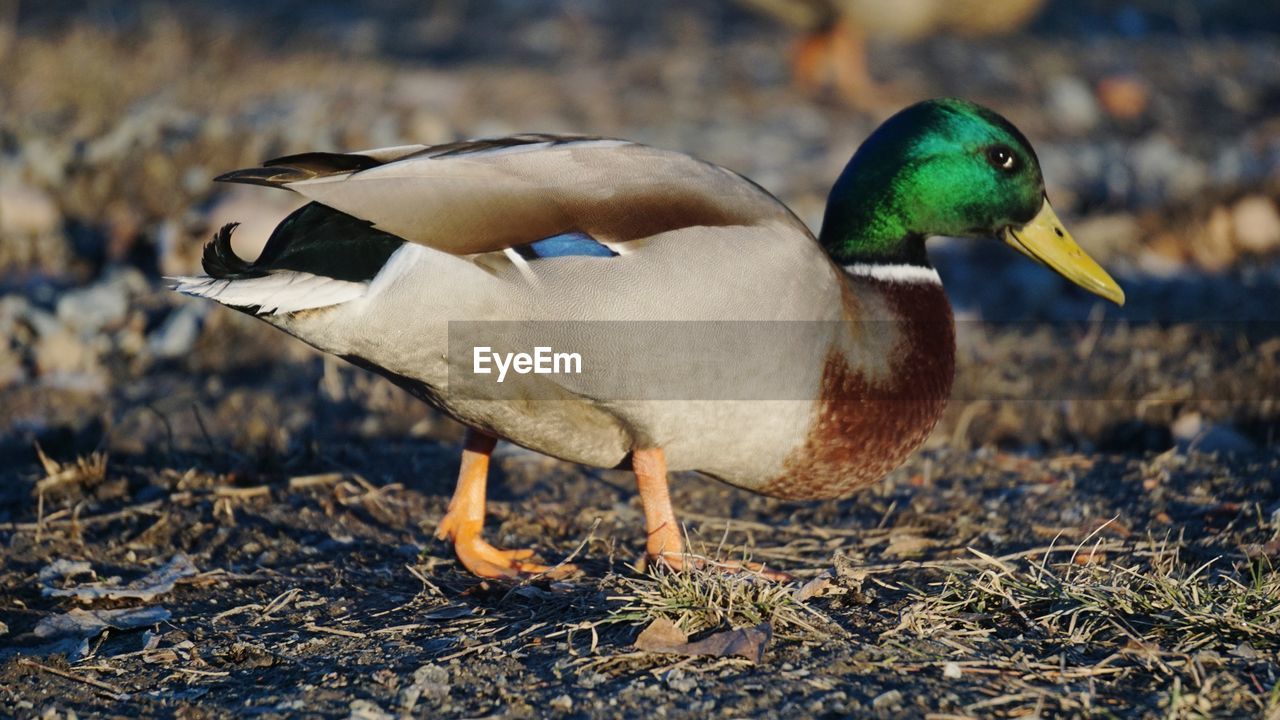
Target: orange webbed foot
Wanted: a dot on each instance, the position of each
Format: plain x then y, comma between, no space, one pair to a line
464,519
487,561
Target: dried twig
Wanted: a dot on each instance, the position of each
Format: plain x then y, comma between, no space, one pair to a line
112,691
333,631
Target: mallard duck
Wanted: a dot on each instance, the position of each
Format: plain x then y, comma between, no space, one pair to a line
832,49
541,236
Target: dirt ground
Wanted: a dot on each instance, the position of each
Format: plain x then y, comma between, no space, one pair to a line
200,517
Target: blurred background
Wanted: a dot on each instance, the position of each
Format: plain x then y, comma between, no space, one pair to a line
1157,124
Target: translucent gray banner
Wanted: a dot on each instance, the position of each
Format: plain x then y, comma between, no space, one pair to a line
876,360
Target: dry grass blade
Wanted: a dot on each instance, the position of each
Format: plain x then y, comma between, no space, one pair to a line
89,469
1159,602
704,597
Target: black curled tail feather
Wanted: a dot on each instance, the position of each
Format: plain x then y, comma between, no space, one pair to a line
220,260
314,239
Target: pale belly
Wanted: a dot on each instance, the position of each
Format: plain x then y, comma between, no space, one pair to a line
744,443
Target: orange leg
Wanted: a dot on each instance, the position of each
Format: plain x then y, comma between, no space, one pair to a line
849,66
836,56
664,543
464,520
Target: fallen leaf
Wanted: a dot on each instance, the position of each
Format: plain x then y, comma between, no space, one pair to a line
662,636
823,584
72,631
448,612
146,588
62,569
88,623
661,633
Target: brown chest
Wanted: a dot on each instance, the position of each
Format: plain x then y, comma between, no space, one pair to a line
865,425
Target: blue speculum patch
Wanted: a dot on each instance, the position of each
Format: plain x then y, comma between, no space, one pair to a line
573,244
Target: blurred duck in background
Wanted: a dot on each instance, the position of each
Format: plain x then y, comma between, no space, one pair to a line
832,52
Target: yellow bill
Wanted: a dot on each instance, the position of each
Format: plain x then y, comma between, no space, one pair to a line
1045,240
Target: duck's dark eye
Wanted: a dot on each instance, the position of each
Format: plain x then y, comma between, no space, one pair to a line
1002,158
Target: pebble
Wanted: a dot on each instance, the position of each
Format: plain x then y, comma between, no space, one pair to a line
1256,223
1214,249
1071,105
64,359
1223,439
12,309
11,370
1191,432
1107,236
367,710
1162,172
681,681
97,307
433,681
27,211
887,700
178,334
1123,97
42,322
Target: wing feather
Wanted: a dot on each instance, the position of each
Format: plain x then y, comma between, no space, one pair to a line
489,195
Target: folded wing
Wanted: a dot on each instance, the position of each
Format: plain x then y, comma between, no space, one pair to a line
489,195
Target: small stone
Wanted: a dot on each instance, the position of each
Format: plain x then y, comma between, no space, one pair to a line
1123,97
430,684
90,309
1071,105
1187,426
177,335
63,359
1221,439
27,211
1214,250
1107,236
563,703
887,700
1257,224
951,671
366,710
1192,433
11,370
681,681
431,674
1246,651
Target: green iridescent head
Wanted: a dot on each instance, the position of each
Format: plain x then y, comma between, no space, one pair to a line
949,167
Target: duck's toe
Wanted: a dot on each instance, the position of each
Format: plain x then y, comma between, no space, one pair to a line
487,561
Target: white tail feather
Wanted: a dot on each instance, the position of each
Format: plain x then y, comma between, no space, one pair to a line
274,294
